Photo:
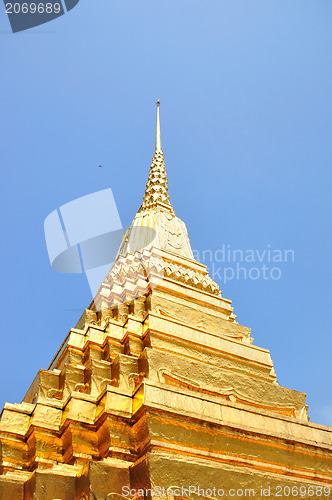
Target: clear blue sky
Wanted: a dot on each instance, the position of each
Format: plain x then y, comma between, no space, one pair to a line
246,93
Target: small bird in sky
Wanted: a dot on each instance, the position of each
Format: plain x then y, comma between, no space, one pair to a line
100,166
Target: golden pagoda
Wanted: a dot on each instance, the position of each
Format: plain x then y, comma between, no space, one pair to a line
158,392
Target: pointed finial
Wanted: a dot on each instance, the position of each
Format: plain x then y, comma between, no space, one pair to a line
156,191
158,136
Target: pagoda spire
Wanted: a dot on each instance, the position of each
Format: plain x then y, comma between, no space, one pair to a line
158,135
156,191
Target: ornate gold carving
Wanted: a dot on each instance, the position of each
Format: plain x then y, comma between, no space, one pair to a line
134,379
54,393
132,276
83,388
171,230
230,393
156,191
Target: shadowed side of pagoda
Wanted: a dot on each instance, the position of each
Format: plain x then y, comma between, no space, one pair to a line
159,386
